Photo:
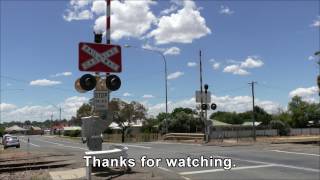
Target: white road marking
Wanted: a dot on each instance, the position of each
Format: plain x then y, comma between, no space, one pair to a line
299,168
274,164
185,178
29,143
129,145
219,170
165,169
67,141
289,152
62,145
173,143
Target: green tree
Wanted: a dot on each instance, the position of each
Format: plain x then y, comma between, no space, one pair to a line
297,108
183,120
124,113
227,117
262,116
27,123
185,110
84,111
283,116
162,116
149,125
2,128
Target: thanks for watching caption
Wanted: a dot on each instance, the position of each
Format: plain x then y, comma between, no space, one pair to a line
188,162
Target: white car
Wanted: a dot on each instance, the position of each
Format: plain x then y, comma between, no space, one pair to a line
4,137
11,141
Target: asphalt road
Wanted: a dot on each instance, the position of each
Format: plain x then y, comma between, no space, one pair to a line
281,161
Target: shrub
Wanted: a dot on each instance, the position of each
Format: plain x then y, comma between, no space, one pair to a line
76,133
282,127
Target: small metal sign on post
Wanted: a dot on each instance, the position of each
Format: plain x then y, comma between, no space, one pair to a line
206,97
100,100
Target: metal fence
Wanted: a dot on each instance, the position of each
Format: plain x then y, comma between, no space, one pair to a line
304,131
139,137
243,133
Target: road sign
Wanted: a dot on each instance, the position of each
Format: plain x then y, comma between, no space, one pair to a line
100,100
205,99
99,57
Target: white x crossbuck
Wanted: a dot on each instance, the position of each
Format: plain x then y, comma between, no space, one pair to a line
100,57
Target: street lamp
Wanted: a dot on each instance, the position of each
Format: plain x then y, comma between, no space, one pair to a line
165,76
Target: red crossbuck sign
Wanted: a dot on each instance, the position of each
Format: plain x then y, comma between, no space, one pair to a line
99,57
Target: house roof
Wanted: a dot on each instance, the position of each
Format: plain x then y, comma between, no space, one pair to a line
72,128
219,123
14,128
250,123
35,128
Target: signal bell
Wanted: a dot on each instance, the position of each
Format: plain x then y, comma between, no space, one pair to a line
113,82
78,87
204,106
213,106
87,82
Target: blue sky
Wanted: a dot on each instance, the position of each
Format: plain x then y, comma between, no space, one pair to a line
269,42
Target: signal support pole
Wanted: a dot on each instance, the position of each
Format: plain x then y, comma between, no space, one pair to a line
318,78
108,36
253,113
201,91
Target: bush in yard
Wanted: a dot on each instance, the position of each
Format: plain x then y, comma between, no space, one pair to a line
76,133
282,127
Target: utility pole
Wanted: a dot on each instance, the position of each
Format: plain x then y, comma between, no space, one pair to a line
201,90
253,113
60,113
207,130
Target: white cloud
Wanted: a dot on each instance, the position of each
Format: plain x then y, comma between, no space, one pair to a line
147,96
316,23
135,19
224,103
212,60
175,75
225,10
99,7
172,8
172,51
252,62
126,94
77,11
154,48
235,69
166,51
192,64
310,58
71,105
44,82
307,94
7,107
62,74
216,65
79,3
39,113
184,26
240,67
128,19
